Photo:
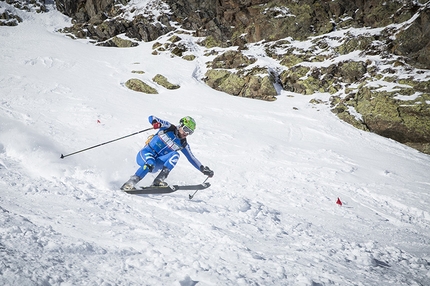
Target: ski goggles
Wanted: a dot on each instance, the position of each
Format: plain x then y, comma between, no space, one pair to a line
187,130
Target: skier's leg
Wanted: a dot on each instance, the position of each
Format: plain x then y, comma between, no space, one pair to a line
169,161
131,183
145,159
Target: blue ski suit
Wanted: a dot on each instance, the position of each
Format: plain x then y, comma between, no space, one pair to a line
162,150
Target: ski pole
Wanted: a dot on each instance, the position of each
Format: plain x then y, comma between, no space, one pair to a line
135,133
192,196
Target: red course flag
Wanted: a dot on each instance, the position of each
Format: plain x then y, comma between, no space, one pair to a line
338,202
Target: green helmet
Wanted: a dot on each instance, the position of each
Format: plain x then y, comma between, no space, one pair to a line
188,124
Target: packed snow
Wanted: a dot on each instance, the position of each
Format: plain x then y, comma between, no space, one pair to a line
269,218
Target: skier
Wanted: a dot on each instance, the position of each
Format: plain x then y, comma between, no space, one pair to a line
161,152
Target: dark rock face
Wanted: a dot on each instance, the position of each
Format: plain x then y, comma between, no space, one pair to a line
414,42
101,20
236,23
219,19
84,10
240,22
8,18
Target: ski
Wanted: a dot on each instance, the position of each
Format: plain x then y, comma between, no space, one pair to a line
168,189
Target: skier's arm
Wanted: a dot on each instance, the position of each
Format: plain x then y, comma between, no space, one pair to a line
196,163
191,158
158,123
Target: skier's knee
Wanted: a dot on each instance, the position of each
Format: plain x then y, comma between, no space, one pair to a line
172,161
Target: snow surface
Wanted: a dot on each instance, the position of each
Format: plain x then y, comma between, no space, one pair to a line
269,218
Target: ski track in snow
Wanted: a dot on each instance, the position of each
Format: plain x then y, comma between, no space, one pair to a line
269,218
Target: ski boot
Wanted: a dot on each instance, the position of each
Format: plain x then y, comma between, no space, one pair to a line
129,185
159,180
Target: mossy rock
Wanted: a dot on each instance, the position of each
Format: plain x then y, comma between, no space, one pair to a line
138,85
210,42
290,76
394,119
352,71
241,85
416,117
189,57
259,87
225,81
178,50
423,86
156,45
342,111
256,70
174,39
377,105
353,43
123,43
290,60
311,85
273,26
291,79
162,80
214,78
232,60
233,84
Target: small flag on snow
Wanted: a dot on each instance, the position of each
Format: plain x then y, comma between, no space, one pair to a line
339,202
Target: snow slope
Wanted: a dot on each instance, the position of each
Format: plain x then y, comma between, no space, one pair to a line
270,217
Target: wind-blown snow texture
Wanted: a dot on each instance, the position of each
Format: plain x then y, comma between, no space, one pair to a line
269,218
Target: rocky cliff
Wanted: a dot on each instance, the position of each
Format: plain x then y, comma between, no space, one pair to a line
236,23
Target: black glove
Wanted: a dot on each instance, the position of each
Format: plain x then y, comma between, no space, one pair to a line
205,170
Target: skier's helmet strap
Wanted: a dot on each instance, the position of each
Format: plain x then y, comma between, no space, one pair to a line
188,124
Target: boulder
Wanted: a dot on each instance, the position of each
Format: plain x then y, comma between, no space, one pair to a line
138,85
162,80
232,60
252,86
